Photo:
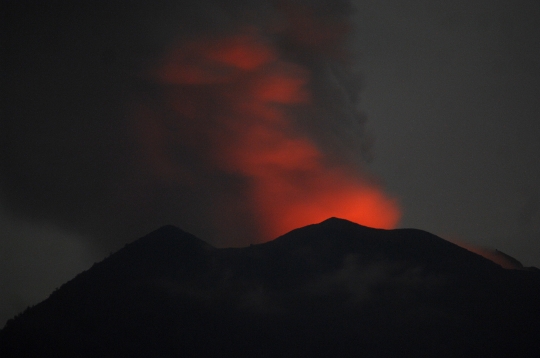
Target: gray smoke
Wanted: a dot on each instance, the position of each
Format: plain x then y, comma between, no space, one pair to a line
73,73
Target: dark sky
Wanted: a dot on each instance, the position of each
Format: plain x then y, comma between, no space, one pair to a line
446,123
451,91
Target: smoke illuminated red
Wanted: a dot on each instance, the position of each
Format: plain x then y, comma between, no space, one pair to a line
231,98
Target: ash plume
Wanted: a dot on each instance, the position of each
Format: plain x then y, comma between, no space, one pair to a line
237,121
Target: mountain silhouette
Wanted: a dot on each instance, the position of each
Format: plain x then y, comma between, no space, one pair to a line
330,289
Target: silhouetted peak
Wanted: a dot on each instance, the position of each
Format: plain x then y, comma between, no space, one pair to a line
169,237
338,223
333,288
164,252
337,238
335,221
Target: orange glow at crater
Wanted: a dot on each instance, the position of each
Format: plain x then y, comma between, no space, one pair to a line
230,97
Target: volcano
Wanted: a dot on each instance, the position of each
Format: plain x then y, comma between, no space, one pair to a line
330,289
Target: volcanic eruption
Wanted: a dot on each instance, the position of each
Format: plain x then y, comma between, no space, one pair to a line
238,121
235,120
240,100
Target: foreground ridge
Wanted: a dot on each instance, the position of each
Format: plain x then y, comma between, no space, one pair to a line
333,288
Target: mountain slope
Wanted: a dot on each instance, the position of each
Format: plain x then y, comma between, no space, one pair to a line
335,288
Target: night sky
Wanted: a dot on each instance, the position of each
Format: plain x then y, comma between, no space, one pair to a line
118,119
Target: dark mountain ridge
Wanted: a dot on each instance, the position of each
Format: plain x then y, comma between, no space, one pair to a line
334,288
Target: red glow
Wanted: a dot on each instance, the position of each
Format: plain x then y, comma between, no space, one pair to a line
287,203
230,97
